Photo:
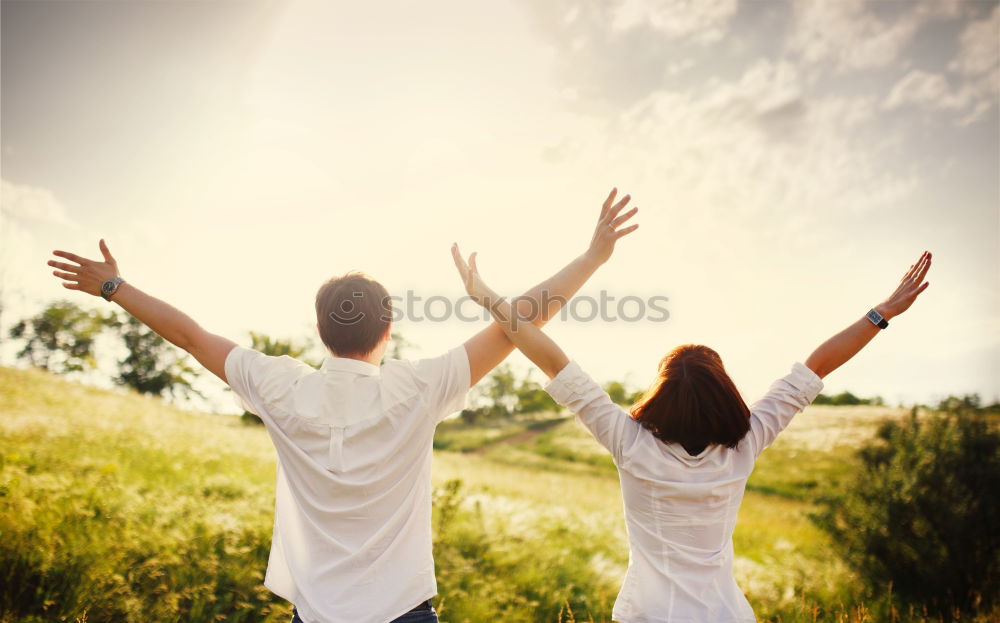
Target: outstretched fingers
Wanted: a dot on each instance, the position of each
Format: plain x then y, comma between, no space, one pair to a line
624,217
456,255
64,266
607,202
73,257
464,270
66,276
467,270
624,232
612,213
915,268
925,265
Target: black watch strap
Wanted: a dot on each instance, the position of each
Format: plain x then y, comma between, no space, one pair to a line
877,319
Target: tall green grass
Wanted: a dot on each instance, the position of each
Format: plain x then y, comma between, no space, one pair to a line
116,507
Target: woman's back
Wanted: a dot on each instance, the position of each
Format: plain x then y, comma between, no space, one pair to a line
680,510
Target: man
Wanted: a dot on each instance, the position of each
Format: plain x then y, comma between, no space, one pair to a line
352,527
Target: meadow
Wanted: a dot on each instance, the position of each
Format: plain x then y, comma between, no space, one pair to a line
118,507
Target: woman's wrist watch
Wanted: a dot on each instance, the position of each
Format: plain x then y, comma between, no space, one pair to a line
110,286
876,318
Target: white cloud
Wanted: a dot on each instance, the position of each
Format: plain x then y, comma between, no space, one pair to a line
978,65
973,83
702,21
32,204
850,36
759,146
27,214
979,47
924,89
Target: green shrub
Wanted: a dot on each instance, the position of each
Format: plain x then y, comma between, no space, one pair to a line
920,515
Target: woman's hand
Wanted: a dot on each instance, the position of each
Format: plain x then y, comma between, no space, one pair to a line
85,275
910,286
537,346
839,349
474,284
607,232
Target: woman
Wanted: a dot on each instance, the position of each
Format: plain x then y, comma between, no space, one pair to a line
685,451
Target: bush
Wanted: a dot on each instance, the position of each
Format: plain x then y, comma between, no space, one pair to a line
920,515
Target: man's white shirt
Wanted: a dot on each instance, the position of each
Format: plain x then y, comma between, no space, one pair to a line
352,523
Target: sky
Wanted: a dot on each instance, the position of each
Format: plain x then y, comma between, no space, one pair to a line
790,159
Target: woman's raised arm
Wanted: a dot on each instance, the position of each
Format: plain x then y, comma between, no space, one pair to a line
531,340
834,352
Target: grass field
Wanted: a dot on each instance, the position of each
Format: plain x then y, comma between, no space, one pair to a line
116,507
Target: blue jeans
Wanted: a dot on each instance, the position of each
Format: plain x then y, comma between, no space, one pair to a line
417,615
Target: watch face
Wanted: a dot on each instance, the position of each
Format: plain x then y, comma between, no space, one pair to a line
874,316
108,287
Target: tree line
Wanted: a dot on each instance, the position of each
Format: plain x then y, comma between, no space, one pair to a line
62,339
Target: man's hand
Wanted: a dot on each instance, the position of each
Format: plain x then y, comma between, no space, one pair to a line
606,234
170,323
85,275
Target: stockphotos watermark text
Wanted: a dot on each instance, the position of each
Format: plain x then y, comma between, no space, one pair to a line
439,308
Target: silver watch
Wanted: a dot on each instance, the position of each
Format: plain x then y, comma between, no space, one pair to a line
110,286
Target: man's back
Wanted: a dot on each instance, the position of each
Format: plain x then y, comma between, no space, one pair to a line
353,499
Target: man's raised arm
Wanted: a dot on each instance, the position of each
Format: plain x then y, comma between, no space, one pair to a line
491,346
169,322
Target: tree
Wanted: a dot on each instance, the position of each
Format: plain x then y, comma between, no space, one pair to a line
531,398
152,365
278,347
847,399
500,391
503,396
620,395
499,395
921,511
61,338
399,346
275,348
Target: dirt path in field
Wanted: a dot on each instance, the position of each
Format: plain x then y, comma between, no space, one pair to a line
521,437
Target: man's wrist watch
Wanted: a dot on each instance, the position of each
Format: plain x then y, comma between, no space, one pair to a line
877,319
110,286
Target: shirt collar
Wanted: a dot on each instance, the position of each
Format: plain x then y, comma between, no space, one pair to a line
346,364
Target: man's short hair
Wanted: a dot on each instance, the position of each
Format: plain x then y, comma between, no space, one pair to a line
353,311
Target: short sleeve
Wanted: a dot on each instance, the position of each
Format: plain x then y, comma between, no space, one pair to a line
610,425
259,380
447,379
786,397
